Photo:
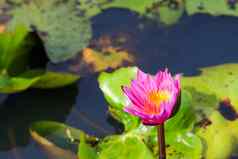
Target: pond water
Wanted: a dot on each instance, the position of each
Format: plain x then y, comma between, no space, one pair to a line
194,42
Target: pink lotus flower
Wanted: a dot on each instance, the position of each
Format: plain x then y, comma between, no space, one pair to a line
153,98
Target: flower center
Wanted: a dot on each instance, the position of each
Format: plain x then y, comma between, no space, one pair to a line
157,97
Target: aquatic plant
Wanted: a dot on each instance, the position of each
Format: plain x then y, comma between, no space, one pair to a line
63,32
153,99
198,130
66,36
15,74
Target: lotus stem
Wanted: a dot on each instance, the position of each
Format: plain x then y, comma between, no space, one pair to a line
161,141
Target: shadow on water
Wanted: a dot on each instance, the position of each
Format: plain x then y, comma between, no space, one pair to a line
20,110
90,111
195,42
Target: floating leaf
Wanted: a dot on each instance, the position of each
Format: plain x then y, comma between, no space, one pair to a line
52,151
92,8
184,119
110,84
127,146
50,79
220,7
64,37
220,136
140,7
15,84
170,16
183,143
36,79
55,137
217,83
100,61
167,12
150,8
85,151
58,131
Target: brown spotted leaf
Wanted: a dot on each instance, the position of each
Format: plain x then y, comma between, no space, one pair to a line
98,61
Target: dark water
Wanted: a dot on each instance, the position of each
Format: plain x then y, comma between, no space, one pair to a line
195,42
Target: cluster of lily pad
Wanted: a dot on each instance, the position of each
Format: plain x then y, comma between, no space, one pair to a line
65,27
16,75
198,130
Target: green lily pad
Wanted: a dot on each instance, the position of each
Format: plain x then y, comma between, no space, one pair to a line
85,151
183,143
215,84
138,141
149,8
14,49
35,79
170,16
51,149
127,146
14,73
166,13
220,136
63,38
59,132
61,138
184,119
140,7
110,84
92,8
218,7
51,79
15,84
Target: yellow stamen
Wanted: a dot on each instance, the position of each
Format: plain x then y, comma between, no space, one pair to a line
157,97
